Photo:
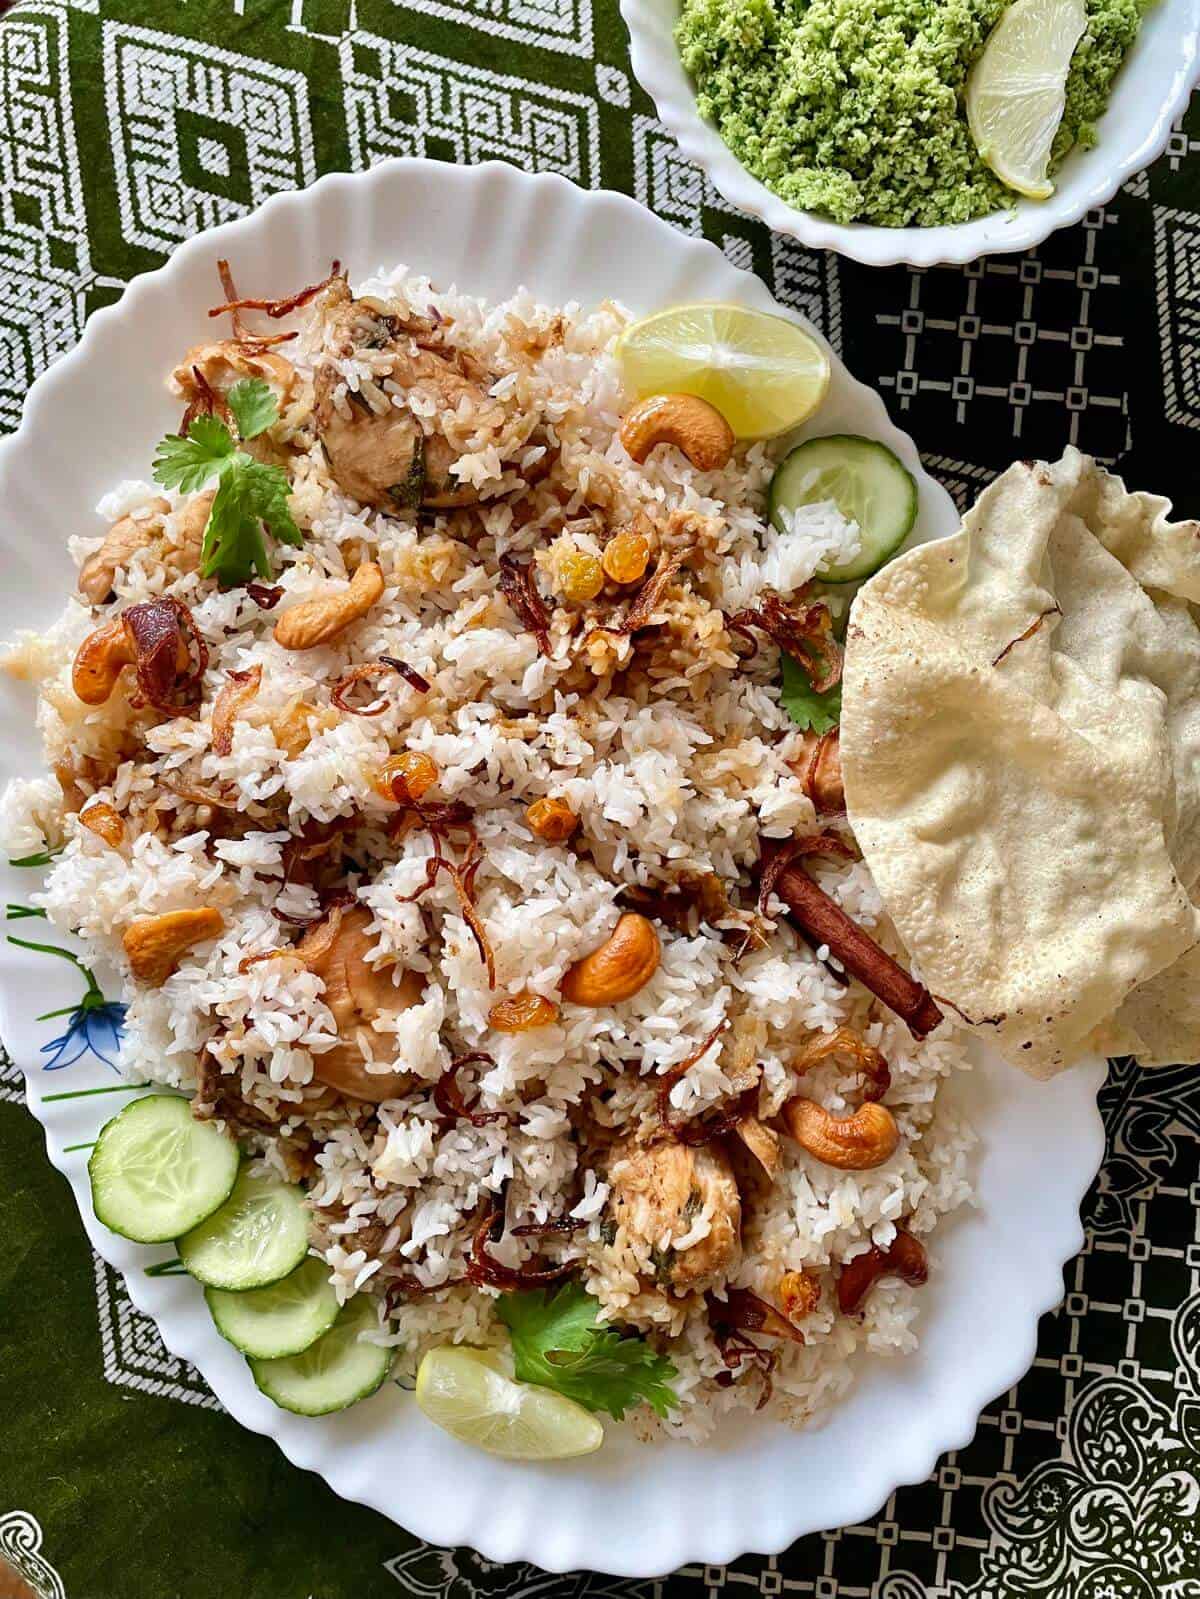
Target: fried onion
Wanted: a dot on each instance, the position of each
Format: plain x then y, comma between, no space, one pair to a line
462,875
340,692
695,1133
235,694
448,1095
252,343
485,1271
518,584
170,656
802,629
274,308
877,1075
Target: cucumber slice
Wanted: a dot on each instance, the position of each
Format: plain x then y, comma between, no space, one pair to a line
259,1235
335,1372
868,484
156,1170
282,1319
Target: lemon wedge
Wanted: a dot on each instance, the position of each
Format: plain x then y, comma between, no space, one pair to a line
764,373
1017,90
466,1392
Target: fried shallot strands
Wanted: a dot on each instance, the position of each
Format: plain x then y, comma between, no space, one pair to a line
221,799
541,1229
485,1271
518,584
690,899
162,633
448,1095
252,343
1053,610
403,1287
205,402
749,1314
700,1131
232,699
823,921
648,600
732,1320
904,1257
274,308
462,874
802,629
877,1075
340,693
819,768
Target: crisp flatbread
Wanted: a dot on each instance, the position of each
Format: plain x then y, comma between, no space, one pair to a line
1020,745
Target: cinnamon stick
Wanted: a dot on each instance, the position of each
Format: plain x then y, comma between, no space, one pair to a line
825,922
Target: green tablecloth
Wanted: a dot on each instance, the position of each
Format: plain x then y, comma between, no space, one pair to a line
126,127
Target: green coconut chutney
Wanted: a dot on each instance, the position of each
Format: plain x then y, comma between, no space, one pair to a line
854,108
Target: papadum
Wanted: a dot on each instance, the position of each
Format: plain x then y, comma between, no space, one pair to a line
1020,744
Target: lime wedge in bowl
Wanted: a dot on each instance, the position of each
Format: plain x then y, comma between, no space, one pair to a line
1017,90
466,1392
764,373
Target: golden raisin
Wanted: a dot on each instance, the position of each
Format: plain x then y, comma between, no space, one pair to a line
104,822
521,1012
580,576
405,777
551,819
626,556
799,1294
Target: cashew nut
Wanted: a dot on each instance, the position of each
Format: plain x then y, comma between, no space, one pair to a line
99,662
905,1258
155,943
122,541
852,1143
318,620
623,964
684,420
103,656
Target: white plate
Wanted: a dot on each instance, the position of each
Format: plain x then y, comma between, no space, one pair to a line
92,420
1151,91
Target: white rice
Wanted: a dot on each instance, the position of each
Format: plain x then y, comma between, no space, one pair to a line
680,779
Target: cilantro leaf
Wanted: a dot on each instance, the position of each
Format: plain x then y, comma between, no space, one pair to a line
187,463
806,707
253,406
559,1343
250,495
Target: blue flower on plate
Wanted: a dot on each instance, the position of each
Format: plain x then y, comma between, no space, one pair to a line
95,1025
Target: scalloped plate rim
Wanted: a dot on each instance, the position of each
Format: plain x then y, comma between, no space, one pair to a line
642,1550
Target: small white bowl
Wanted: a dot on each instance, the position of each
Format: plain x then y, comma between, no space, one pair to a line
1150,92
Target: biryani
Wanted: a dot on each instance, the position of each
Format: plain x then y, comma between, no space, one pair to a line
453,845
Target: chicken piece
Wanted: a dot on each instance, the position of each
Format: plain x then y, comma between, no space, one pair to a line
222,363
387,459
191,519
660,1190
336,951
121,543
